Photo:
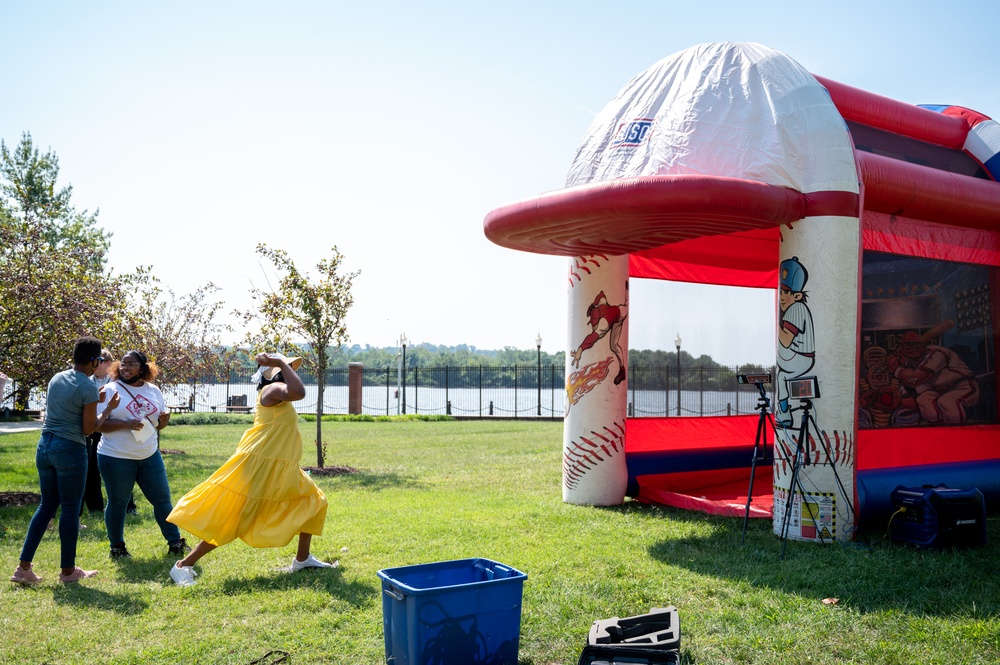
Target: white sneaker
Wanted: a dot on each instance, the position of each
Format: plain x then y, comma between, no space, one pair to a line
182,575
311,562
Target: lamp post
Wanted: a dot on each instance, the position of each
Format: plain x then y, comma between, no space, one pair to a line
677,343
538,346
399,378
402,342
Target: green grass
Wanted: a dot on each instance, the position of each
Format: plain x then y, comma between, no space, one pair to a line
433,491
219,418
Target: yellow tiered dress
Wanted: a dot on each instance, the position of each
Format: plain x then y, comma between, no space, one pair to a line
260,494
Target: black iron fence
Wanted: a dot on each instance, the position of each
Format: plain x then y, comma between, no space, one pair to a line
484,391
655,392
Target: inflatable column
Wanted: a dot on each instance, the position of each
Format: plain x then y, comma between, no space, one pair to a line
594,471
816,351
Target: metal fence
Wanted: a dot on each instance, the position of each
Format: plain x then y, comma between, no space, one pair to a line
484,391
655,392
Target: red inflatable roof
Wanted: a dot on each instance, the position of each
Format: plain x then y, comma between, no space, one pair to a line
649,214
632,214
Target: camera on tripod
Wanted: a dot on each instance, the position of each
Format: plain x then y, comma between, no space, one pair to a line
753,378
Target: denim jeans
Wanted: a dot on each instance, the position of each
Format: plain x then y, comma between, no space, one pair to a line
62,472
120,477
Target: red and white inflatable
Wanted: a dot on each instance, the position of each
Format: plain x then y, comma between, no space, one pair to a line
876,222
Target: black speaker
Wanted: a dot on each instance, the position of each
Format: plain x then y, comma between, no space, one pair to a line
938,516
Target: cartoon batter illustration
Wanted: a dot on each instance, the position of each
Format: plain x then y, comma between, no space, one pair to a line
605,318
941,383
796,341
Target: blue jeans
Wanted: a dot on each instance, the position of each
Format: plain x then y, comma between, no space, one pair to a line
62,472
120,477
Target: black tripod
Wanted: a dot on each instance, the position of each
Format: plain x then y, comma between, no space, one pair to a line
759,447
802,459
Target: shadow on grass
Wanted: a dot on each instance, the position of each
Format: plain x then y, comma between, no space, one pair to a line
94,532
19,517
328,580
125,604
379,481
201,467
871,574
144,569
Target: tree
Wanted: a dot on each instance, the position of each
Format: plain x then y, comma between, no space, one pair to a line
303,318
52,284
54,287
179,332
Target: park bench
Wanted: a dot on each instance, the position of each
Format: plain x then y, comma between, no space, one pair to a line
237,404
182,408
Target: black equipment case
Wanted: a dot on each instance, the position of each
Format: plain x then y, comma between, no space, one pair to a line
653,638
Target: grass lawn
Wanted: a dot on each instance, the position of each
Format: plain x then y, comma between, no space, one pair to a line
433,491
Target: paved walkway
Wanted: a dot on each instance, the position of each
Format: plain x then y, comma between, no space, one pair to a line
20,426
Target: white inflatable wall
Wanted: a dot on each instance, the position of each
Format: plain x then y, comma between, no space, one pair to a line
594,471
817,339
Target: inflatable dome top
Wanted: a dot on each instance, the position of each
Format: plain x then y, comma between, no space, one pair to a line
736,138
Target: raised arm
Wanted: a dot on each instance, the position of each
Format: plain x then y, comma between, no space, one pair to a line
291,390
93,422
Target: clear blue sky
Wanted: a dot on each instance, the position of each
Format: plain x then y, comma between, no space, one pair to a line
391,129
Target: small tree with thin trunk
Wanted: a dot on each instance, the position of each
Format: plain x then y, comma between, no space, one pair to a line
302,317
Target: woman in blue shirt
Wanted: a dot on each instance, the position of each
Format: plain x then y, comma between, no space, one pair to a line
61,458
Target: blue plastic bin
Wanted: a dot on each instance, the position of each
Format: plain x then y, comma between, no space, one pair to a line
465,612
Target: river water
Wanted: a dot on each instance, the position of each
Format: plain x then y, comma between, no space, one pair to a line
468,402
475,402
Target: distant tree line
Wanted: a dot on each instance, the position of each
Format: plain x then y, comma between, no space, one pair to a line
459,366
431,355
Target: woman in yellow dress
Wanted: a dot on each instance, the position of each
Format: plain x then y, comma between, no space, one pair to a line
260,494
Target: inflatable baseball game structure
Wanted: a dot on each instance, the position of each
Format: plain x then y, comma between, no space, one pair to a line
877,223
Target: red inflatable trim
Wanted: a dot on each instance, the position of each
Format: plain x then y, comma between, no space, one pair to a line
912,237
897,117
659,434
907,446
726,500
900,188
634,214
640,214
970,117
748,259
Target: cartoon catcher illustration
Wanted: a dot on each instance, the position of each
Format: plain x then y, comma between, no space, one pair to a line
605,318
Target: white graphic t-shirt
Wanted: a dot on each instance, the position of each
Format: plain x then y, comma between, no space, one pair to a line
144,403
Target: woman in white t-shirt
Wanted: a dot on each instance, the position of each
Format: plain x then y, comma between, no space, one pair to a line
129,452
